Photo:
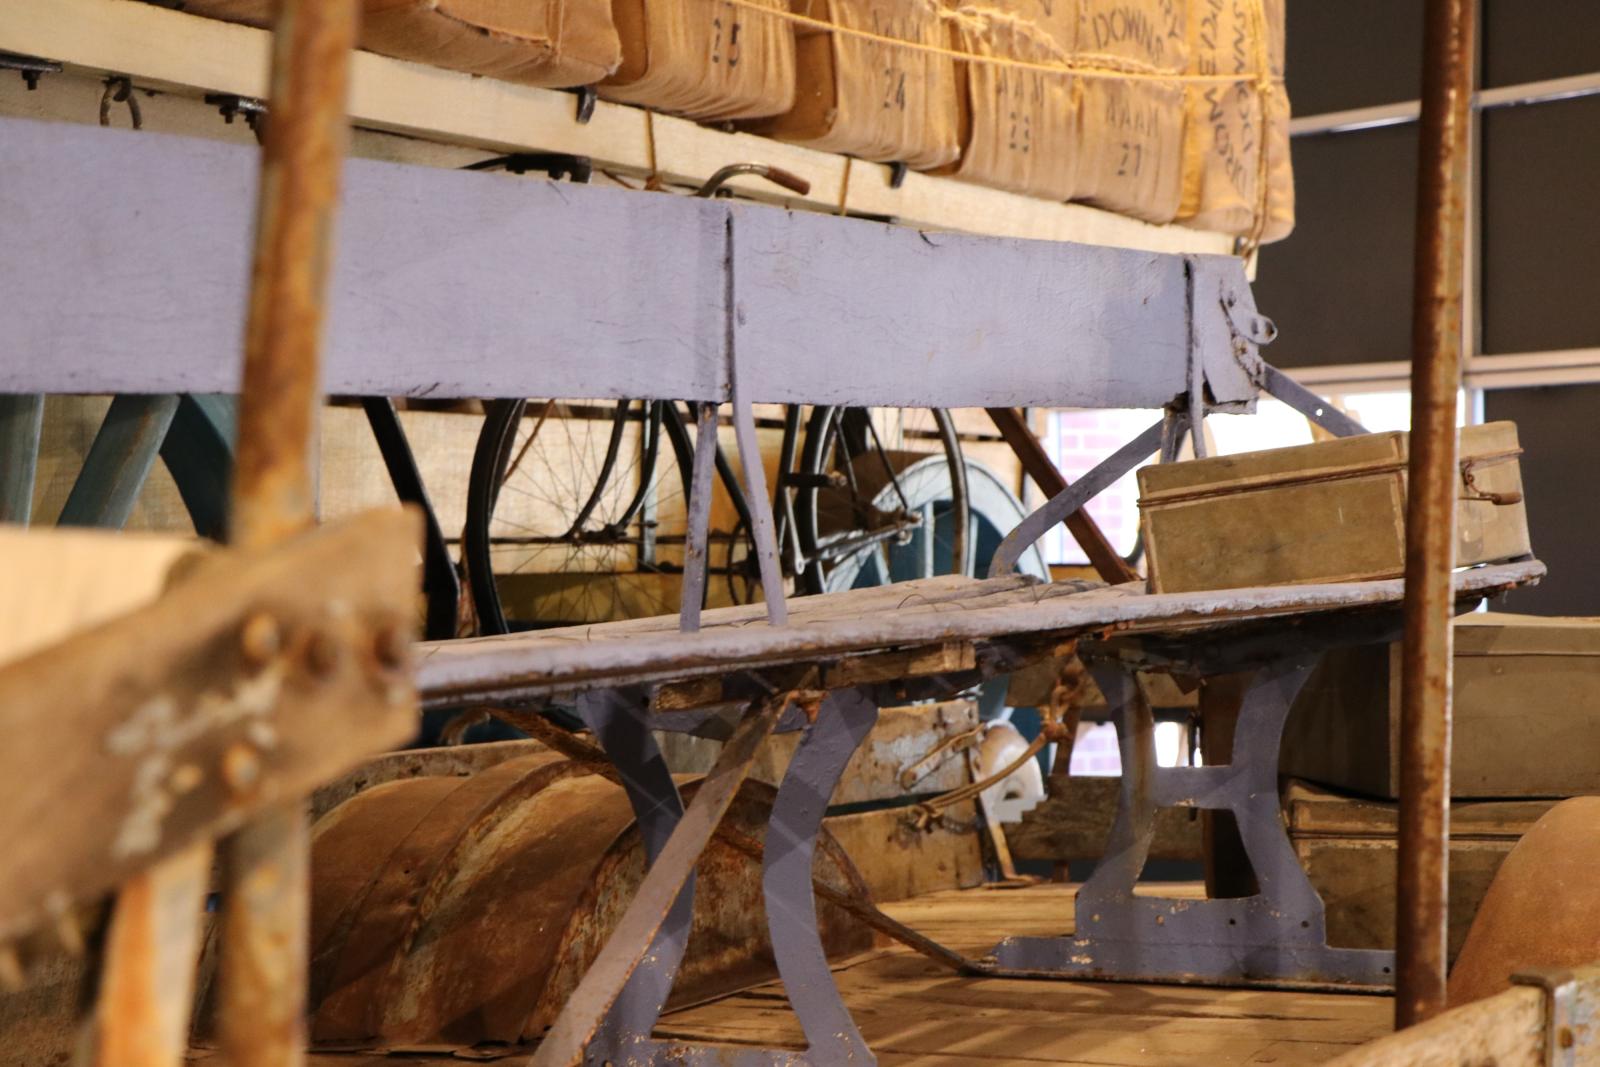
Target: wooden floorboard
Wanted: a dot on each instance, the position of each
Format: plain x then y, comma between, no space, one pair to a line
912,1012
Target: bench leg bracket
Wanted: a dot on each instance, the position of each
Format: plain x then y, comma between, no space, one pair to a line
1277,936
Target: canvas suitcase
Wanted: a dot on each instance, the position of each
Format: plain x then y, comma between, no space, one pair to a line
1526,712
1130,132
704,59
1333,511
552,43
1348,848
871,99
1018,124
1237,176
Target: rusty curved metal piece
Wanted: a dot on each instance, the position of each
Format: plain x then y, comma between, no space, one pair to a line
359,949
465,910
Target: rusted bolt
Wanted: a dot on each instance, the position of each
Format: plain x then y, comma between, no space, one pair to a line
260,639
185,778
322,653
241,768
391,643
1564,1037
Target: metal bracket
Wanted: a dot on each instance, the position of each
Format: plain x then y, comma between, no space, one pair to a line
1275,937
1073,498
609,1018
587,97
29,67
554,165
1571,1012
232,106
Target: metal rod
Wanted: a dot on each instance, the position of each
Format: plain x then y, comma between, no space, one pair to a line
1036,463
21,422
265,880
1437,338
119,461
1399,114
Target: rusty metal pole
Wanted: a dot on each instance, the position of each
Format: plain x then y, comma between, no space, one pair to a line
266,889
1437,332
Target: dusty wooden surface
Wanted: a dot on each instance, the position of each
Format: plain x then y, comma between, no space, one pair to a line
920,612
153,726
914,1013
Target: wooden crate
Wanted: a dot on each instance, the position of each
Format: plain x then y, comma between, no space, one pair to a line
1333,511
1526,712
1347,846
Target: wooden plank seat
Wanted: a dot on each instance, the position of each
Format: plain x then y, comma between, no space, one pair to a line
917,614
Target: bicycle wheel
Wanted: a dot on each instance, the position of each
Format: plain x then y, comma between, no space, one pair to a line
567,508
881,489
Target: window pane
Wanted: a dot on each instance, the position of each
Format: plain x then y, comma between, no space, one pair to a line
1541,240
1555,427
1078,441
1527,41
1353,53
1339,287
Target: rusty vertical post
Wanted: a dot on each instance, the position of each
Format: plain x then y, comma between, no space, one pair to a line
264,923
1437,332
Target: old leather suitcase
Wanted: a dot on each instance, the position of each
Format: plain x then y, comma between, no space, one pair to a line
1333,511
1526,712
1347,846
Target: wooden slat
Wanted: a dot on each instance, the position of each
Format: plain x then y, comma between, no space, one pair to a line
179,52
162,734
979,336
846,622
60,581
447,283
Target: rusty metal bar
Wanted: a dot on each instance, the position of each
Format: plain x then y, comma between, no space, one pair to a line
265,879
1037,465
1437,336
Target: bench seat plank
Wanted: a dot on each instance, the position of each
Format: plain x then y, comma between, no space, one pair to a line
910,613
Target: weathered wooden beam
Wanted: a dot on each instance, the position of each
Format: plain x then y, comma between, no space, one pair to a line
21,419
841,312
444,283
454,284
169,725
526,666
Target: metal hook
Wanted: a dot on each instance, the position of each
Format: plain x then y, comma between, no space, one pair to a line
119,89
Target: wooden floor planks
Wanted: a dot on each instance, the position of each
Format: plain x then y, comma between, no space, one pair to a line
915,1014
912,1012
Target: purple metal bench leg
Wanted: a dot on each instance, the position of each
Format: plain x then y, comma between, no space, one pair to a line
1276,936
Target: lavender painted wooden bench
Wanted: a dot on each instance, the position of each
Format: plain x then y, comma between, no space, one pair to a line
470,285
